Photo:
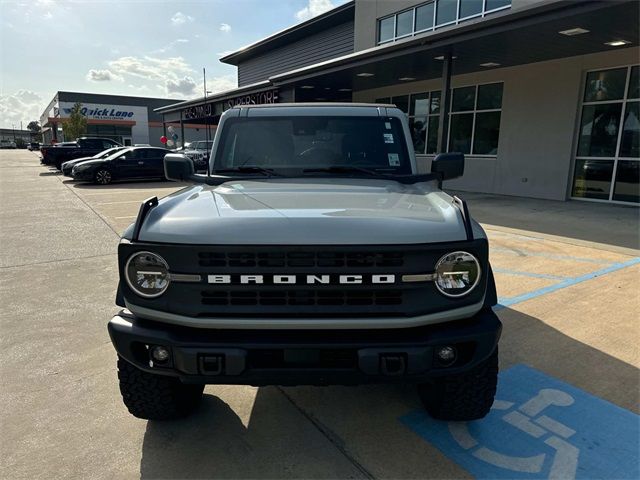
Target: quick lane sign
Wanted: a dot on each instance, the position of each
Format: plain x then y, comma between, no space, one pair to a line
104,113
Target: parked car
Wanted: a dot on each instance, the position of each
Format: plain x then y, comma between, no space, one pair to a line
129,163
199,152
82,147
7,144
315,253
67,167
33,146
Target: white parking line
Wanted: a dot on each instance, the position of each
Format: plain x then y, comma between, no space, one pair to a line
122,201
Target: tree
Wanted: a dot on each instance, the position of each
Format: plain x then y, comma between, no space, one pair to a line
34,127
76,125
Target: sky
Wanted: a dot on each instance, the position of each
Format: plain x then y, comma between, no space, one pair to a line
128,47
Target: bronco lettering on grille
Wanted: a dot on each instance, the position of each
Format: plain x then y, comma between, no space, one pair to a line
301,279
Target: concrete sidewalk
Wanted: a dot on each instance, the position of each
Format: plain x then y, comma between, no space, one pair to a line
585,222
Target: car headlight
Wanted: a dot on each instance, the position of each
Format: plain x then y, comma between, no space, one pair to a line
147,274
457,274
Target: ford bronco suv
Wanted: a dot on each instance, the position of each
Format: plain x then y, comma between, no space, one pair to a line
310,253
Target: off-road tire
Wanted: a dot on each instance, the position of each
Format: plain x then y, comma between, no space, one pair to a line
103,177
465,396
156,397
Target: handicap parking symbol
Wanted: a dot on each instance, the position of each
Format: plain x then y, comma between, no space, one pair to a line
539,427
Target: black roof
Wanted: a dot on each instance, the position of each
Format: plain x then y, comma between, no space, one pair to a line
343,13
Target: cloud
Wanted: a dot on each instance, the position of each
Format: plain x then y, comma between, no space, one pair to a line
23,105
150,68
225,53
102,76
183,86
173,75
225,27
314,8
180,18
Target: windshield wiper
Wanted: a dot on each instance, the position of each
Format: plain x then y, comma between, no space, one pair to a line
344,169
269,172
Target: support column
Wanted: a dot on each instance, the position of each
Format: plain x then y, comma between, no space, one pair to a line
181,131
445,103
164,126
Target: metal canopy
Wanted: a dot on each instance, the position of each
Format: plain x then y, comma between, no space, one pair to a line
504,40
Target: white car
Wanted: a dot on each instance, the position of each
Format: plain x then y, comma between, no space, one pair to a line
7,144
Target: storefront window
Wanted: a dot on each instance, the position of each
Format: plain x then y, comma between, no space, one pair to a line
424,16
487,131
475,119
604,152
599,130
402,102
423,121
605,85
627,181
631,131
634,84
404,23
464,99
593,179
460,130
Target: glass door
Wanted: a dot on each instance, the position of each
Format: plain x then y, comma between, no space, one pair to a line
608,146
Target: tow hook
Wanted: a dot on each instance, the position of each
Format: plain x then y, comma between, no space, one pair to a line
393,364
211,364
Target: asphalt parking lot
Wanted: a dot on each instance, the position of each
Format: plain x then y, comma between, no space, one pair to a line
567,403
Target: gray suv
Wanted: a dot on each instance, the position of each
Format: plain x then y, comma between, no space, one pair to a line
312,252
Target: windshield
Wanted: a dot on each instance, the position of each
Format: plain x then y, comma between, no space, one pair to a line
303,143
202,145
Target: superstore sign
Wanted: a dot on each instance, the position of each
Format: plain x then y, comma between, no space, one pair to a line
207,110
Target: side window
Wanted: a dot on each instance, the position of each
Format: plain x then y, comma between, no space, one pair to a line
107,144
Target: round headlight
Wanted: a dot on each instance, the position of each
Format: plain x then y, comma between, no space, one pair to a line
457,273
147,274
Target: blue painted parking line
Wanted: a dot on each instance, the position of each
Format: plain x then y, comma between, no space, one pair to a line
527,274
510,301
539,427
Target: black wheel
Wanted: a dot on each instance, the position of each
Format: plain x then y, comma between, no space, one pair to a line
465,396
103,177
156,397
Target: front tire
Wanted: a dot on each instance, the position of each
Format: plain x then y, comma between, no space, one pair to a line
156,397
103,177
464,396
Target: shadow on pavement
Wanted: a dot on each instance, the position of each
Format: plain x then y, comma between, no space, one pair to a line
281,443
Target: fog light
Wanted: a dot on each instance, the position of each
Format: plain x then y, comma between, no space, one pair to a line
447,355
160,354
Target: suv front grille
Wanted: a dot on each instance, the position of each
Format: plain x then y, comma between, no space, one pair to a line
301,297
301,259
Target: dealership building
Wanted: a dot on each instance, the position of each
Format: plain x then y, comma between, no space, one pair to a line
127,120
542,96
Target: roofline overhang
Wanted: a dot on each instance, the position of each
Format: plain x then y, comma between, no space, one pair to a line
249,50
445,38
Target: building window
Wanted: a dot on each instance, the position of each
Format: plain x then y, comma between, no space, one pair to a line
434,14
474,123
386,29
608,145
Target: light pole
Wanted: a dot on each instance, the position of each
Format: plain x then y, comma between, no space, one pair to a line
13,129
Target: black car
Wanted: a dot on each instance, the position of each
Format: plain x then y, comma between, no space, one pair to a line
67,166
131,163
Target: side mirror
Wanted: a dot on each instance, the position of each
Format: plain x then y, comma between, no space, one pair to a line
448,165
178,168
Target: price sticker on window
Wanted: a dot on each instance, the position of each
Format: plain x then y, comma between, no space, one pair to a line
394,160
388,137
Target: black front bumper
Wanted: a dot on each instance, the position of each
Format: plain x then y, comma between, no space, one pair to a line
304,357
